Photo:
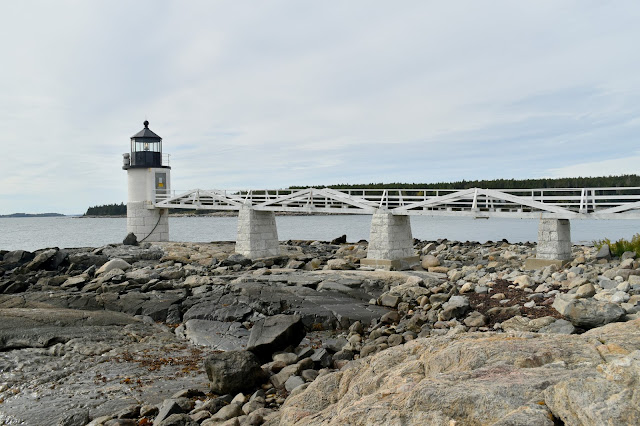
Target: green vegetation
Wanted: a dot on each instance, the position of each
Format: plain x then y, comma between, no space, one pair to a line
107,210
620,246
577,182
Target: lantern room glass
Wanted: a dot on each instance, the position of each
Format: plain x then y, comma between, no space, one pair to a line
146,152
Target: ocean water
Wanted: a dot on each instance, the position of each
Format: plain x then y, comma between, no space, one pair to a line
41,232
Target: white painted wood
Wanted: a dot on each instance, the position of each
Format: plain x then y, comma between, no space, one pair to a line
550,203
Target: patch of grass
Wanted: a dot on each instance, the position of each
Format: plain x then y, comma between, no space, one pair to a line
620,246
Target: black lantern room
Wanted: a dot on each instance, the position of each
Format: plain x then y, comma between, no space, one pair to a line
146,149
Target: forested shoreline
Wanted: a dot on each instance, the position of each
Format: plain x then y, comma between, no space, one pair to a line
572,182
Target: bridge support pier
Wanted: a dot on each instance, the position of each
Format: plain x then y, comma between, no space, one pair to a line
390,242
554,244
257,234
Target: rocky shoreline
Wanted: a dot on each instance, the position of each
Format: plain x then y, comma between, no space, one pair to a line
193,334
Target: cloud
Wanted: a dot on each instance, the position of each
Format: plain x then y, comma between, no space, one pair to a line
288,92
626,165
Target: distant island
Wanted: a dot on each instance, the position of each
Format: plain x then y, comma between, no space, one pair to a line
32,215
107,210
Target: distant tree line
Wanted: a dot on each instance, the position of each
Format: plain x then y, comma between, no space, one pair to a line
121,210
574,182
107,210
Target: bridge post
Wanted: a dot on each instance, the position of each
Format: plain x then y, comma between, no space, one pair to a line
257,234
390,242
554,244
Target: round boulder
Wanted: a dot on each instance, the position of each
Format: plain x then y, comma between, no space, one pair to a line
234,371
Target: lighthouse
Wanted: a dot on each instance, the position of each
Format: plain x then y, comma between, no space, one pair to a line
148,181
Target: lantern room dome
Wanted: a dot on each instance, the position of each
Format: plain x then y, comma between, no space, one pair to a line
145,133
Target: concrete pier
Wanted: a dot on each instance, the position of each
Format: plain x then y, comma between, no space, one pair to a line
146,222
390,242
554,243
257,234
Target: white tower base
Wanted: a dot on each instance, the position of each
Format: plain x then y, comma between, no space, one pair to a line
146,222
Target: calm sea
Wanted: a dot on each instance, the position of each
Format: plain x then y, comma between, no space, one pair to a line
37,233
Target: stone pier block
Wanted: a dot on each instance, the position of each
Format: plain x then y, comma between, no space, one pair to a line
554,244
257,234
147,224
390,242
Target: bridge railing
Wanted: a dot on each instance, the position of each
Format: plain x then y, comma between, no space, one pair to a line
572,200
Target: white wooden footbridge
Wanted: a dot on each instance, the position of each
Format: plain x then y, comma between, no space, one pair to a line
551,203
391,242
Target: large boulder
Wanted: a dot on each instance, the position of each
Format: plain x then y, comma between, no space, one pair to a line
234,371
482,378
429,261
41,259
17,256
130,240
274,334
604,252
113,264
587,313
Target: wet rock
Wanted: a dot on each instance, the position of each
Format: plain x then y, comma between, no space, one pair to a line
228,412
293,382
604,253
180,419
588,313
77,417
340,264
429,261
236,259
113,264
475,319
233,371
340,240
391,317
518,323
428,248
41,259
585,290
130,240
389,300
172,273
38,328
322,358
455,307
309,375
168,407
224,336
275,334
287,358
559,326
18,257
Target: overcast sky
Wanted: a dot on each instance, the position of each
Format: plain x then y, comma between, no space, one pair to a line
277,93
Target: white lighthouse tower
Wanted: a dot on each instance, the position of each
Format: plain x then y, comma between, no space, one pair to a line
149,180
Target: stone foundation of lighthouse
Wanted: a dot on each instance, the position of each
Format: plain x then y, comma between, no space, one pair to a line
143,219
